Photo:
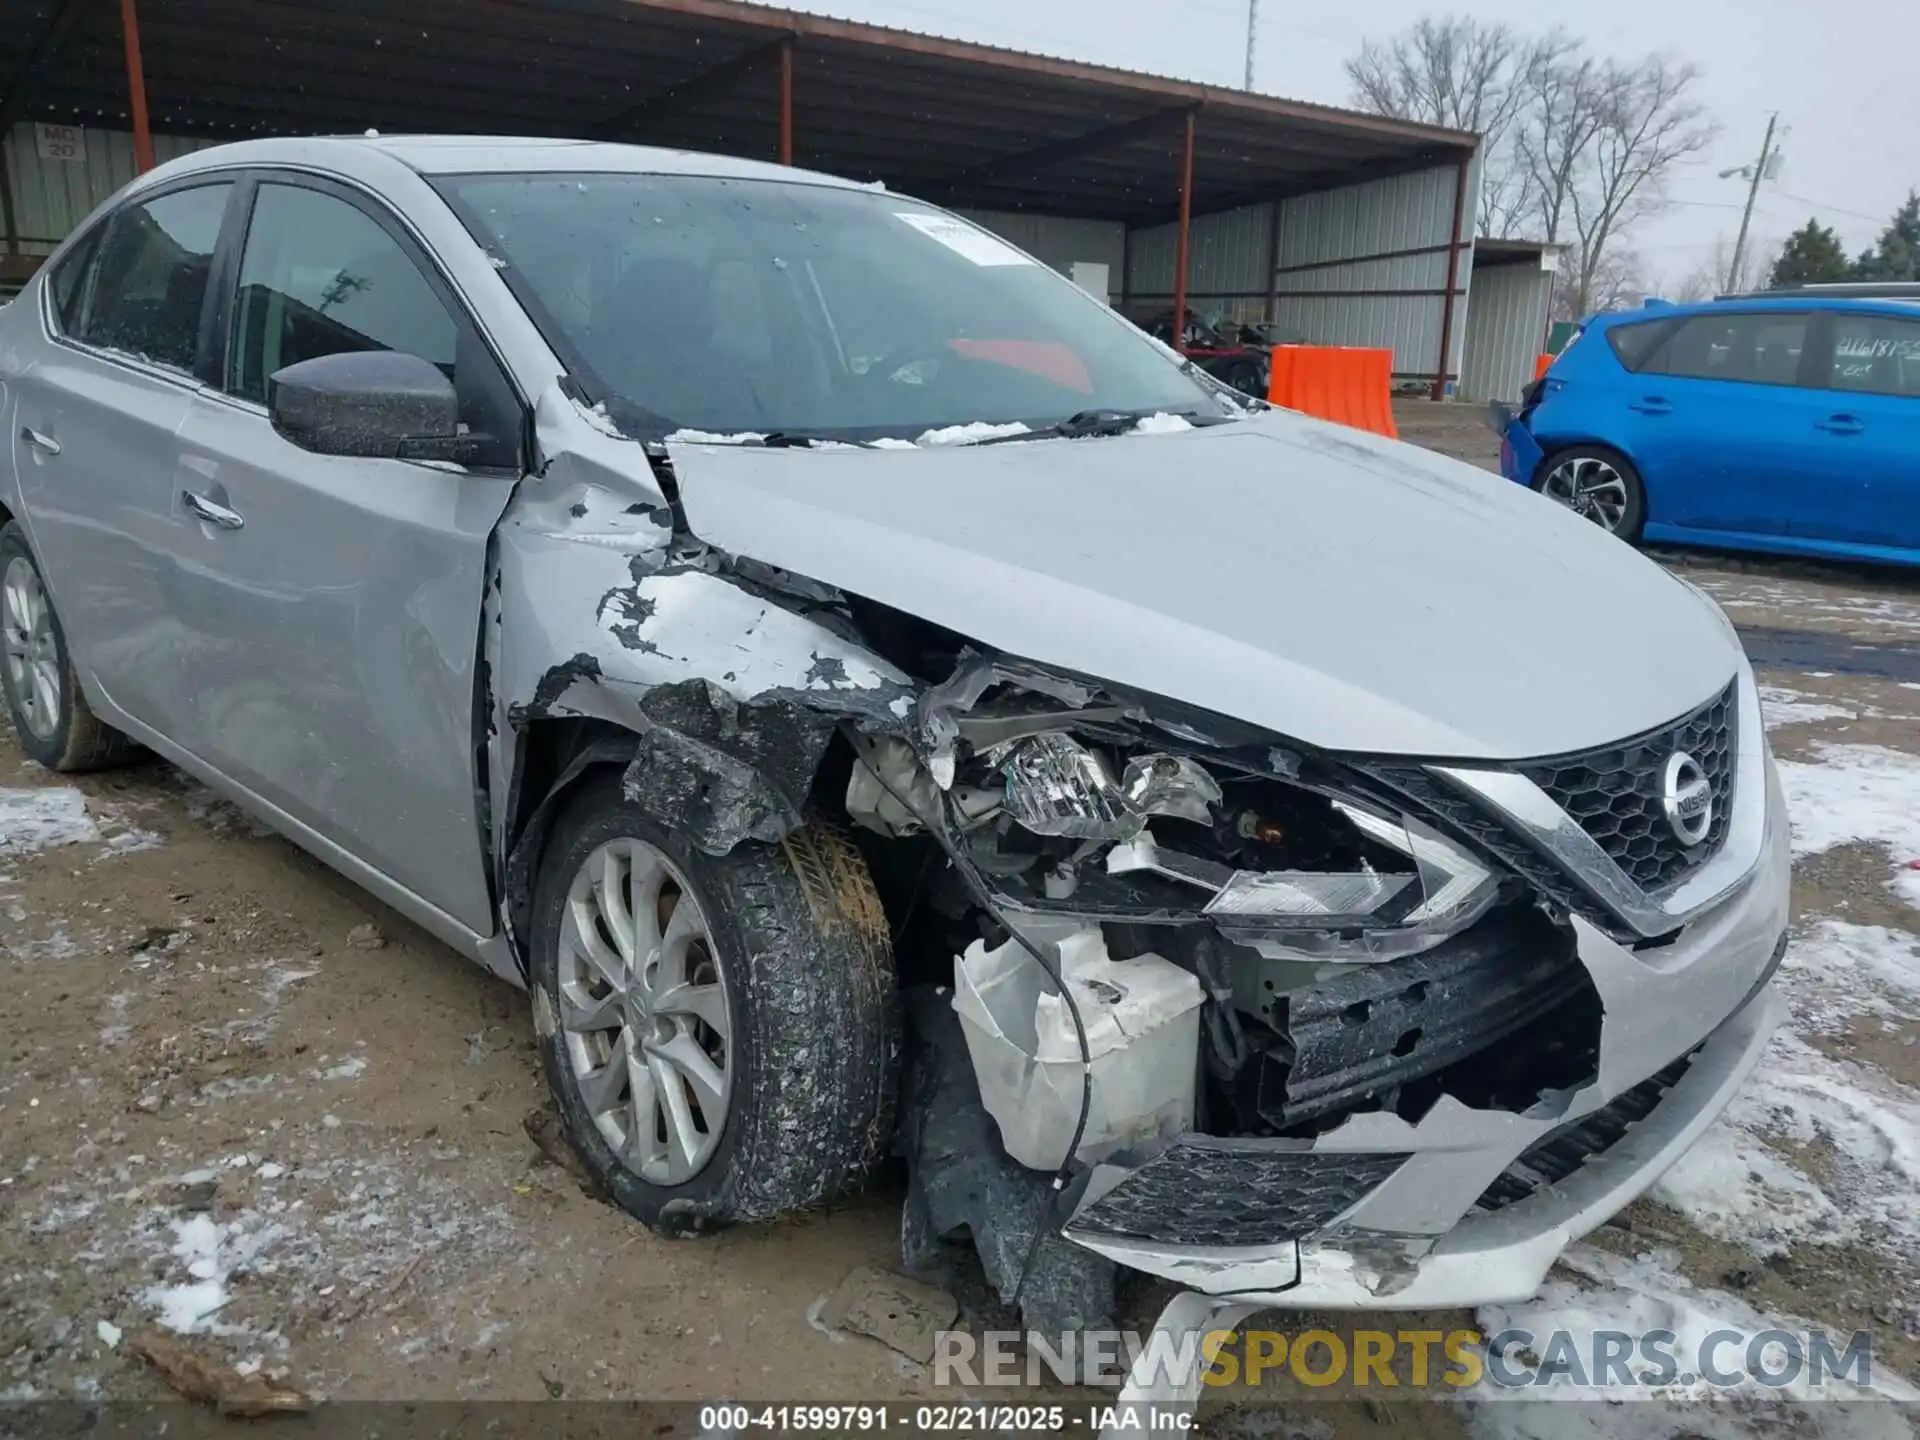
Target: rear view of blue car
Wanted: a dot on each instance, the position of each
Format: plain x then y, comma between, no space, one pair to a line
1786,423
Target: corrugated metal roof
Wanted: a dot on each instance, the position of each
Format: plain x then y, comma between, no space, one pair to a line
969,124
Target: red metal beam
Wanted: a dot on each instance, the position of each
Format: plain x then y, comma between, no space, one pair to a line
136,89
1453,279
786,101
1180,239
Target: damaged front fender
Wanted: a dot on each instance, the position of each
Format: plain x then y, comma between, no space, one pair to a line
720,690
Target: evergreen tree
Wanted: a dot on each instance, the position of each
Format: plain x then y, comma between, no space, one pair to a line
1812,256
1897,255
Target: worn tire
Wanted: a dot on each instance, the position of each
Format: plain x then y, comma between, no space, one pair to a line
812,1002
1634,516
80,740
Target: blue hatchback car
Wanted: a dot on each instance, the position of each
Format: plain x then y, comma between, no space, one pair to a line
1786,423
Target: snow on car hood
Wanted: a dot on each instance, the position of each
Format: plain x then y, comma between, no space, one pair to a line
1350,592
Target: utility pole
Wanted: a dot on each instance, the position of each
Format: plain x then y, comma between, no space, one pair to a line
1253,30
1753,190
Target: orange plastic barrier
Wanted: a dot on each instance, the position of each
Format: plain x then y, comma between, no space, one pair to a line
1348,385
1541,365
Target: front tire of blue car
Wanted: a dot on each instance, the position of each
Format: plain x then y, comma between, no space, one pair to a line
1598,484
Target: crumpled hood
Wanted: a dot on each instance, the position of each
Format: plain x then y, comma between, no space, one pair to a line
1350,592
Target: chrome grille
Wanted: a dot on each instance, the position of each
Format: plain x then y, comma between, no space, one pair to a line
1614,793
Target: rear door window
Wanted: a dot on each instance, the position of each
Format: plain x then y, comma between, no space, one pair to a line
1758,347
1634,344
152,284
1876,355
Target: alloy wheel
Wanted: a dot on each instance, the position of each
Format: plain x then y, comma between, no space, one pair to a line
1589,486
30,651
643,1011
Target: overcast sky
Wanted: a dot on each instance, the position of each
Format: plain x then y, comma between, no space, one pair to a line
1840,72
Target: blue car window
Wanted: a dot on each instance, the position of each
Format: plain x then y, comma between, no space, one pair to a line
1876,355
1634,344
1759,347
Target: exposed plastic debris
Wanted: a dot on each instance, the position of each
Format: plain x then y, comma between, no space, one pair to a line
1141,1018
900,1313
963,1188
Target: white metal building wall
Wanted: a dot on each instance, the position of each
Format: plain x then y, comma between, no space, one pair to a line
1059,240
1227,257
1322,291
1326,294
50,197
1506,330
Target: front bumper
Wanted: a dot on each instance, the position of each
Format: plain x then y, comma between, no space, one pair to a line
1433,1233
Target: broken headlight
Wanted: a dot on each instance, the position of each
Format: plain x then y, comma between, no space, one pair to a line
1363,916
1057,786
1291,869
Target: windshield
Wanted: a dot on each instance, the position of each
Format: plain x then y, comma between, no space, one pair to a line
734,306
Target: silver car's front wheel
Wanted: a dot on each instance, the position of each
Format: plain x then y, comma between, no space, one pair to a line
720,1032
1596,485
32,655
644,1008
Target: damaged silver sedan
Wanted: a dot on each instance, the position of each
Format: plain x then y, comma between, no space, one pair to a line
878,701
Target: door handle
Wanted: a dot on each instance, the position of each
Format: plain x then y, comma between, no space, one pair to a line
212,511
43,443
1841,425
1651,405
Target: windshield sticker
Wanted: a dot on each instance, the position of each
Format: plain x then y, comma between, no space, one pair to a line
963,239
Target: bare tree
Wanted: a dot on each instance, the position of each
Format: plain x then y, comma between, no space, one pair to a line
1463,74
1618,283
1648,123
1576,148
1713,274
1564,103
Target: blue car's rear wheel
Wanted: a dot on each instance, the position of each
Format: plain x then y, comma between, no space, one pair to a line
1597,484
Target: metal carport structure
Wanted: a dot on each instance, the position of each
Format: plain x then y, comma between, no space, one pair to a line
971,126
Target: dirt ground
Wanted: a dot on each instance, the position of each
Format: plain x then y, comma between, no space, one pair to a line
222,1088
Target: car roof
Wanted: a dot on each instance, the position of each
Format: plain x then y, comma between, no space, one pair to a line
1801,301
486,154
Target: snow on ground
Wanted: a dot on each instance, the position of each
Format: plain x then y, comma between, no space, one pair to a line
283,1235
1747,1181
1597,1291
36,819
1738,592
1858,792
1781,706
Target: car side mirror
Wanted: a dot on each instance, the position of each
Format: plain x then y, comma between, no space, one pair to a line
380,404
